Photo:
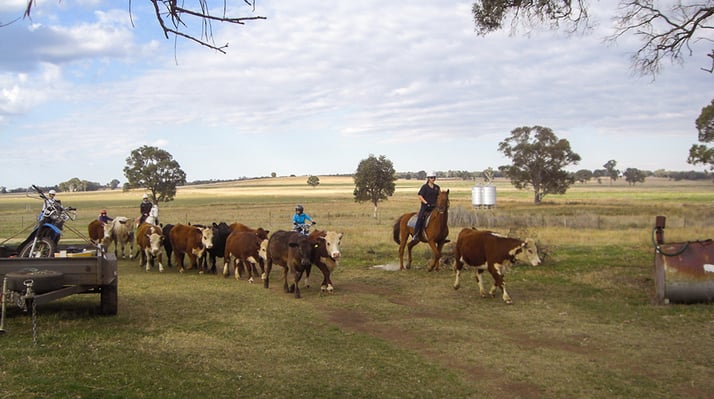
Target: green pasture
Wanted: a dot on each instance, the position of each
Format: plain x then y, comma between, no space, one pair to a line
583,324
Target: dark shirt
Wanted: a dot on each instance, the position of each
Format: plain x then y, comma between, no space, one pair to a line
430,194
145,207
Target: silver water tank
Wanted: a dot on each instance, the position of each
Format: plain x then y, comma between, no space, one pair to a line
477,196
489,196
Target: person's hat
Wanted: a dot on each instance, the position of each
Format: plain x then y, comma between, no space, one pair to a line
146,196
52,192
431,174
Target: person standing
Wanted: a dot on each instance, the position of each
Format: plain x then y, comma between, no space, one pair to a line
428,194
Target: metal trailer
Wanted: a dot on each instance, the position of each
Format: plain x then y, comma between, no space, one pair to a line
28,282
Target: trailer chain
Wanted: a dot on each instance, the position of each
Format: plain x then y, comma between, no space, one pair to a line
31,295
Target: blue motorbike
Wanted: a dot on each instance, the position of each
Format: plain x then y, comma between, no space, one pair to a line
44,238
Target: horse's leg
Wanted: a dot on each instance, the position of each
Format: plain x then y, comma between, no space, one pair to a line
436,250
403,235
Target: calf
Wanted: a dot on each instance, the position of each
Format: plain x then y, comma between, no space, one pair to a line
167,243
263,234
149,239
292,251
248,250
121,232
486,250
325,255
220,235
96,231
191,241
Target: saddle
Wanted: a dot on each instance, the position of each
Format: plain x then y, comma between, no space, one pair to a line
412,220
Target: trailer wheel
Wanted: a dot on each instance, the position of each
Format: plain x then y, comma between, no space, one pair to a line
109,298
44,248
42,280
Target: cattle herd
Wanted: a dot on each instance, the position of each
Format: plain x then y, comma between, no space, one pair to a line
245,250
242,248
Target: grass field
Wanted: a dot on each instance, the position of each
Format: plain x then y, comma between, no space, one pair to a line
583,324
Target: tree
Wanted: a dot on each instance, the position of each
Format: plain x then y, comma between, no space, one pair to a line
538,160
374,180
664,30
633,176
156,170
314,181
114,184
705,125
612,173
177,18
583,175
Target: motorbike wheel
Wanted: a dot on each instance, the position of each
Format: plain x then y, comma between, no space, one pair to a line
44,248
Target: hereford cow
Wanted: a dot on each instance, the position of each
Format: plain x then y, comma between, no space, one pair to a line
96,231
486,250
292,251
191,241
325,255
220,235
167,243
149,239
245,250
120,231
263,234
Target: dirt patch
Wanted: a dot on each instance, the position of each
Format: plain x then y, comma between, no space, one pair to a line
362,322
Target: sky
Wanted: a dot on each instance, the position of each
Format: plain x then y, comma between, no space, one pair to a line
318,86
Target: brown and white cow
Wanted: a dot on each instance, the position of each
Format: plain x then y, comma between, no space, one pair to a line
149,239
293,252
245,250
486,250
325,255
191,241
120,231
263,234
96,231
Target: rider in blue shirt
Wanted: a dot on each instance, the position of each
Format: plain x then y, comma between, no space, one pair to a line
300,218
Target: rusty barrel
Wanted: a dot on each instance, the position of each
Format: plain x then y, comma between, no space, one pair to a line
684,272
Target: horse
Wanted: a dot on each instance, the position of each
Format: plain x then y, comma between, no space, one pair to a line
434,233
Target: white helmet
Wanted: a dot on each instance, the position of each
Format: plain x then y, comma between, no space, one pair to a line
52,192
431,174
146,196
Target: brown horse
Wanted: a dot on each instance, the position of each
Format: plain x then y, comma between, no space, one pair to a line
434,233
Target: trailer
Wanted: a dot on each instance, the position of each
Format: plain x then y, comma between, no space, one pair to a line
29,282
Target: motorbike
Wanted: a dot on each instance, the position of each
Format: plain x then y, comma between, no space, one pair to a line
303,228
44,238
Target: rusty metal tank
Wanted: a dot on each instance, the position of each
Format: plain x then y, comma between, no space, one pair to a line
684,271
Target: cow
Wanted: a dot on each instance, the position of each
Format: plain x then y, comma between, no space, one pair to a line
486,250
220,235
293,252
120,231
263,234
245,250
96,231
149,239
165,230
325,255
189,240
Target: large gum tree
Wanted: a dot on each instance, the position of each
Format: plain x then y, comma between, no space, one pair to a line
538,160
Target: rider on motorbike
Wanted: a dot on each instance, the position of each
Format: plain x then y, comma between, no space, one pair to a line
43,240
300,220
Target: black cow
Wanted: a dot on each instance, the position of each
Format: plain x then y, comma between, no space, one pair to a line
293,252
167,243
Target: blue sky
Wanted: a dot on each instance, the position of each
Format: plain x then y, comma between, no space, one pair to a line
318,86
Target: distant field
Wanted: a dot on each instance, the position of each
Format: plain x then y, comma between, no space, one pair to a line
583,324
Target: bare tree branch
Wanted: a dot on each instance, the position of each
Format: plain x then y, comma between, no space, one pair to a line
177,20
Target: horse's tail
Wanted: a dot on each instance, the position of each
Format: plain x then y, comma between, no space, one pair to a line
395,230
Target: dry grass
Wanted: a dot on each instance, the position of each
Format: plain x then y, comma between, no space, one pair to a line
583,323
